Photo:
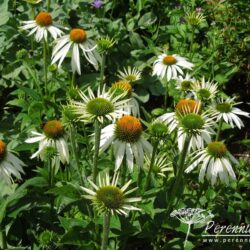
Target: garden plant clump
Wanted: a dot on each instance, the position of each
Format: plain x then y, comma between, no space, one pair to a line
124,124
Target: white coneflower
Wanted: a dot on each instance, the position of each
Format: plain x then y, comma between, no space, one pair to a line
10,165
107,197
76,40
170,66
105,105
125,88
215,160
185,83
204,90
128,141
129,74
190,122
41,26
160,166
226,110
53,136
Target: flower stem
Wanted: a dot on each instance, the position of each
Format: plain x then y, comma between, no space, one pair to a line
45,66
102,69
76,156
105,236
123,172
179,174
155,144
191,42
188,232
48,5
72,83
219,129
51,184
97,145
166,95
4,238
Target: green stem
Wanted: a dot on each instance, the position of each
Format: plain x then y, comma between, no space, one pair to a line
72,83
179,174
106,225
151,164
102,69
4,238
166,95
76,156
48,5
191,42
97,145
51,185
123,172
45,66
188,232
219,129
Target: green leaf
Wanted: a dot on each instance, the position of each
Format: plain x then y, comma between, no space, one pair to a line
68,191
147,20
69,223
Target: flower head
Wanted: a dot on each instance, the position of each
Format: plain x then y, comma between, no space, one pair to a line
158,129
204,90
195,18
226,110
130,74
53,136
125,88
190,122
10,165
185,83
107,197
160,166
128,141
76,40
104,44
215,160
104,105
41,26
170,66
97,4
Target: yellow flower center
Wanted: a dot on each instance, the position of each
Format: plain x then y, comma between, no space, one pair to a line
128,129
78,35
53,129
122,87
169,60
44,19
2,149
217,149
186,106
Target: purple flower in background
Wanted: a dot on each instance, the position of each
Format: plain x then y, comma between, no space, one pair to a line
198,9
97,4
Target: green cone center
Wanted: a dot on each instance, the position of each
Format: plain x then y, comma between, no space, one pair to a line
100,107
204,94
192,121
158,129
217,149
186,85
112,197
224,107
